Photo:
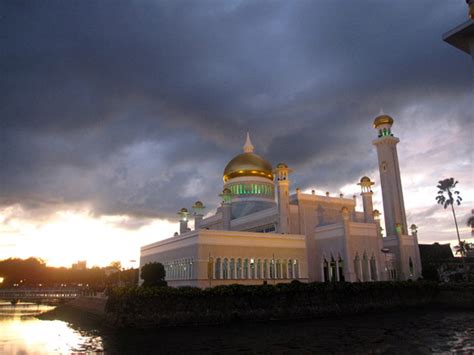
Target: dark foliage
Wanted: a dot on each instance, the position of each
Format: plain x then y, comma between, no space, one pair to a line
32,271
143,307
153,274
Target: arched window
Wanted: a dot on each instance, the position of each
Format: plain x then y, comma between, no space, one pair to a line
410,266
252,268
272,269
191,269
246,268
296,267
225,269
357,269
290,269
232,269
218,269
340,265
239,268
373,269
259,269
278,269
333,270
326,270
210,268
365,268
284,269
265,269
185,269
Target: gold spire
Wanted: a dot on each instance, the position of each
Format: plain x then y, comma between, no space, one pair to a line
248,146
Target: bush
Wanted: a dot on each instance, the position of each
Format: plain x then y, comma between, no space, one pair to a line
139,306
153,274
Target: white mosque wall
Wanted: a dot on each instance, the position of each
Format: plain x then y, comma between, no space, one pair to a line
355,246
214,257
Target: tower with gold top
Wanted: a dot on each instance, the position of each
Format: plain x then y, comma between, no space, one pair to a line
392,193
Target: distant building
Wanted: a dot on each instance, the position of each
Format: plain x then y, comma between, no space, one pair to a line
263,233
440,264
434,259
80,265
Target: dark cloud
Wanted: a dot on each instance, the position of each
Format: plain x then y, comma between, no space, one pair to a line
135,107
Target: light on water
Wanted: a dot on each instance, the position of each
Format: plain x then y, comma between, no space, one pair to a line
409,331
22,333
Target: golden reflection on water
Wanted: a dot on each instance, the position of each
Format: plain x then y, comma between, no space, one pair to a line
22,333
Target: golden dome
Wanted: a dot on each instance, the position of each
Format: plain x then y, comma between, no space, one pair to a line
383,119
248,164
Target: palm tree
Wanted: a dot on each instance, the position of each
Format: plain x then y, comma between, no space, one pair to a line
447,195
463,248
470,222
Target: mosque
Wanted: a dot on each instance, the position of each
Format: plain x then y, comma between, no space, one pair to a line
262,233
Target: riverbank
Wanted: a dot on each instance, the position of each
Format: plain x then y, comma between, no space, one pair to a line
161,307
85,312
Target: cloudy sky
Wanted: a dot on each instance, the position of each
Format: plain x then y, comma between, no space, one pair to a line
115,114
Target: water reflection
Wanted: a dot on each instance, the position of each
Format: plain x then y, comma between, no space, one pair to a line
411,331
22,333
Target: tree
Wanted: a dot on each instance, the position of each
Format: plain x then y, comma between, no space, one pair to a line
153,274
447,196
470,223
463,248
117,265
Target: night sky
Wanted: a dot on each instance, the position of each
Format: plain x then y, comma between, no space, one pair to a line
115,114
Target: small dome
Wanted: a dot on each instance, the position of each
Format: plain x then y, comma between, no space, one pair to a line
248,164
383,119
183,210
282,165
198,204
364,179
226,191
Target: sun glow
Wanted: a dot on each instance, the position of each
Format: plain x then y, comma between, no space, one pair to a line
71,235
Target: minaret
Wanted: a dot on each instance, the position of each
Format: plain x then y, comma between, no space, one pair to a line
366,193
282,185
198,209
392,194
183,220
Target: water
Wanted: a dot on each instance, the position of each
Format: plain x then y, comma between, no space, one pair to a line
422,331
22,333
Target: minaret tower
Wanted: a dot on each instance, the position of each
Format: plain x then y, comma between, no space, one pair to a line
282,186
392,194
366,193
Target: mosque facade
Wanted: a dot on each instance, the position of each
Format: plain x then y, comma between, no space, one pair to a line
263,233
